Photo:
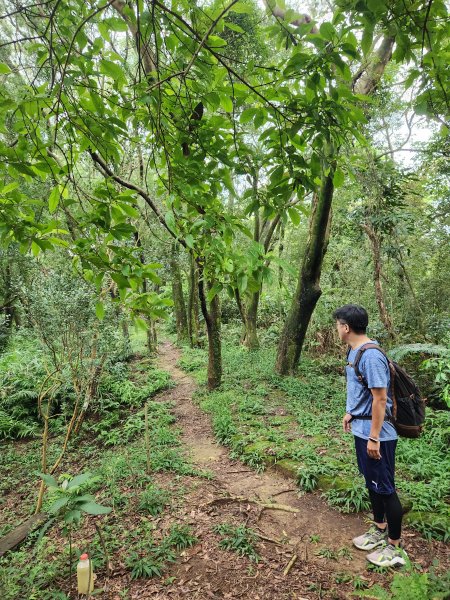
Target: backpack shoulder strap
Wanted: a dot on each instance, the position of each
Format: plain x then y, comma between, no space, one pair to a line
364,347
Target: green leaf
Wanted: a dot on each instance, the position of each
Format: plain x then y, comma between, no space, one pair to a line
214,41
294,215
92,508
233,27
141,323
100,310
338,178
4,69
58,504
216,289
53,199
327,31
49,480
121,281
241,9
79,480
9,188
170,221
247,115
73,516
113,70
226,103
242,283
189,241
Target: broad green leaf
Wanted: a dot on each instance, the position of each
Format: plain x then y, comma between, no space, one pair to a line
327,31
338,178
58,504
242,283
214,41
247,115
294,215
49,480
121,281
226,103
140,323
241,8
9,188
4,69
216,289
53,199
170,221
189,240
233,27
100,310
73,516
92,508
113,70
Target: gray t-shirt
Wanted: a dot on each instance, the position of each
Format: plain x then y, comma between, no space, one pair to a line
375,369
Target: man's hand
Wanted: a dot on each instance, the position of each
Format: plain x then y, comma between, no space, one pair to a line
346,423
373,449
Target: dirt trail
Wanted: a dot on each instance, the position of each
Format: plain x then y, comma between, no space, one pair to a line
206,571
314,516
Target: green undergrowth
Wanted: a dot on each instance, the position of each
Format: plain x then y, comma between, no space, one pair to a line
295,424
114,451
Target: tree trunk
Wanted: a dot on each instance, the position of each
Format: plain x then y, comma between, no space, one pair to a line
152,339
377,279
178,299
308,288
7,311
251,337
280,254
211,314
193,304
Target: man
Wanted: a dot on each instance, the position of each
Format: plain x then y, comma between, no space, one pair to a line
367,417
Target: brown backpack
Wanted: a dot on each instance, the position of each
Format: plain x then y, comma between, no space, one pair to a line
408,406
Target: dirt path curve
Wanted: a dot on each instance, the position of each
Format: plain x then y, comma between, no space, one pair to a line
314,516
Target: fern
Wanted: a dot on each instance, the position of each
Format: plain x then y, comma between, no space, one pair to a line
10,428
400,352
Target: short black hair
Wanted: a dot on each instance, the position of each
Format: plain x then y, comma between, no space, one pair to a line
354,316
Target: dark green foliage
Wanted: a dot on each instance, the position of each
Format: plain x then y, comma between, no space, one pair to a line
180,537
412,585
239,539
153,500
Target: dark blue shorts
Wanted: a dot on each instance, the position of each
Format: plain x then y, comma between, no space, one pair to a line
379,474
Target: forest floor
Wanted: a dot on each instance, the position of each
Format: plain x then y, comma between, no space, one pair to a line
301,526
190,514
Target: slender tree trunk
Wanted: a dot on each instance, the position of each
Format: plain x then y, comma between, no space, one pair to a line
251,337
377,279
212,316
178,298
280,254
152,338
193,304
308,287
7,309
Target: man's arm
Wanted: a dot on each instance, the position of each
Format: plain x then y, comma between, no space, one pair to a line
379,396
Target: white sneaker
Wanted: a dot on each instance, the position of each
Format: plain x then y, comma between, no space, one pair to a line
389,556
374,538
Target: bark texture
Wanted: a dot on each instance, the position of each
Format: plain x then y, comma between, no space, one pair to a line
308,287
193,304
212,316
179,304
